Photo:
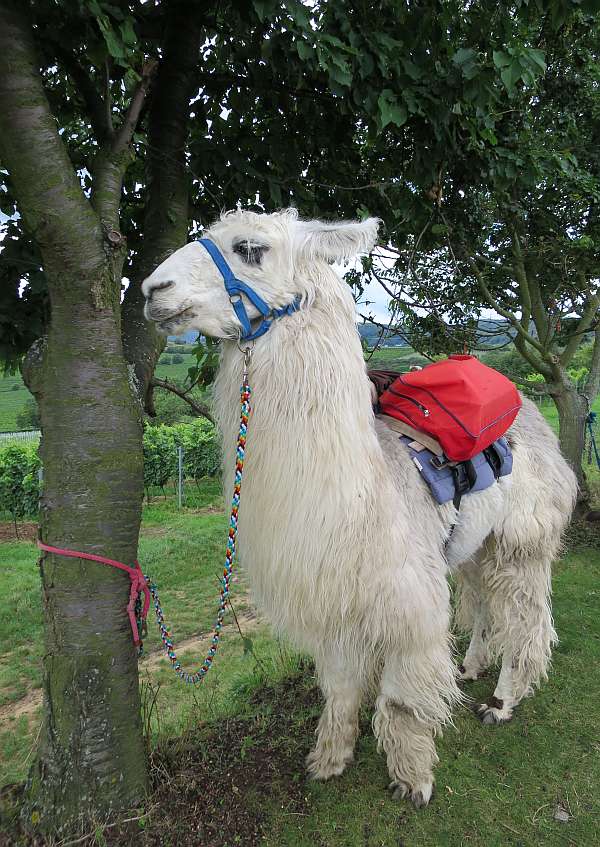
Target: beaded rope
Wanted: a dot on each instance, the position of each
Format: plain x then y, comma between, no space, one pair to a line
198,676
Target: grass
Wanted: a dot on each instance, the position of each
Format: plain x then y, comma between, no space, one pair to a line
232,750
241,737
177,372
495,786
13,397
395,358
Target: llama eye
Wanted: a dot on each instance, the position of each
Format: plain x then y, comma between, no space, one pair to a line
251,253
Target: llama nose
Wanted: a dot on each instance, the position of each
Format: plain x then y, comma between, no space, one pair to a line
151,287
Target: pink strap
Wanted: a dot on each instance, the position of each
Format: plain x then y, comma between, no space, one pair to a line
138,581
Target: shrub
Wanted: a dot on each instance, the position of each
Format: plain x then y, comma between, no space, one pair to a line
19,486
20,463
177,359
160,458
202,456
164,360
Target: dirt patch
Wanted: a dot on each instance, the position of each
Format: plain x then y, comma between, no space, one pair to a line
25,706
213,787
207,510
26,531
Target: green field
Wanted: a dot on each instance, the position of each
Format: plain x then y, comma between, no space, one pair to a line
13,397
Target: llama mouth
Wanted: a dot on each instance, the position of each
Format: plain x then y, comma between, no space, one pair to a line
172,318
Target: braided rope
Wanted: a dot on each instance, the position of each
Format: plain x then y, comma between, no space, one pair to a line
198,676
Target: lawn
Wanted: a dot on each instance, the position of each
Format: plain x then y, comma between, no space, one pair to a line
240,739
232,750
13,397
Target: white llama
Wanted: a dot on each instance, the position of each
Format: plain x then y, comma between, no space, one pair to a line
345,548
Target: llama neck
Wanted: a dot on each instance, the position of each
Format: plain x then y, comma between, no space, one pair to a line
310,390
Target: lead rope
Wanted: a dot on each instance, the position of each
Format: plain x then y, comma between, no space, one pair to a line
198,676
142,587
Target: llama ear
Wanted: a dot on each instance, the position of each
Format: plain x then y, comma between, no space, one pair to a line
336,241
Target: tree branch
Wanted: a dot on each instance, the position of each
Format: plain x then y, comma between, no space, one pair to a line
592,383
50,197
585,323
510,316
115,156
199,409
167,204
125,132
84,84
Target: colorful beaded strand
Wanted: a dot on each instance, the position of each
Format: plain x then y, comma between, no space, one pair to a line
198,676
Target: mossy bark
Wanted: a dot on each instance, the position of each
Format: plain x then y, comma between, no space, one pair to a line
572,413
90,758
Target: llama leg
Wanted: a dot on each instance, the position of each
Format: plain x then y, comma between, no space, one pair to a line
472,615
499,708
476,658
338,724
523,631
415,698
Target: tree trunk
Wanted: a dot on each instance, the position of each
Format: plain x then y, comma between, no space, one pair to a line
166,223
91,758
572,413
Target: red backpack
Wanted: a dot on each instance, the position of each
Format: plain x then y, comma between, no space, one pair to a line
460,402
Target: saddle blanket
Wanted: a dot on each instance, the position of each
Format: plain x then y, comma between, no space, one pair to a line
450,480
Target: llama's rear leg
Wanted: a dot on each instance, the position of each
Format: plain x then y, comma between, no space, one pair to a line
519,600
476,658
472,616
416,696
338,724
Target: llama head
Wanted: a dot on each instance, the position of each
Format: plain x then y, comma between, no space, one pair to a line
272,253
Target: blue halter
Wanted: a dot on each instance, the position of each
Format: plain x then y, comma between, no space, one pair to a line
235,288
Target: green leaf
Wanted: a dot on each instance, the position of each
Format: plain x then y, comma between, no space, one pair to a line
304,50
464,55
538,57
511,75
390,111
128,33
340,75
412,70
501,59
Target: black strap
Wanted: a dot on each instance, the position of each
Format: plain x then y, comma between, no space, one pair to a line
493,459
464,476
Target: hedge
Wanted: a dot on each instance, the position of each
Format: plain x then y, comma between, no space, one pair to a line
19,485
20,463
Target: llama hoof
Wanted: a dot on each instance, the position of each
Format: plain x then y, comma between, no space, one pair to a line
465,675
321,766
420,795
493,713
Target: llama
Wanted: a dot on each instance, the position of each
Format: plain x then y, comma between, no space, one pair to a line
345,549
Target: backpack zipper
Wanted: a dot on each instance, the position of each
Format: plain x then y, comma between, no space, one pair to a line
412,400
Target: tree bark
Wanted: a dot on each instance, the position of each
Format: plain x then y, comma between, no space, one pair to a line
91,759
166,223
572,413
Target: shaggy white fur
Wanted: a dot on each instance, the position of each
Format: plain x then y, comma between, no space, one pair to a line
342,541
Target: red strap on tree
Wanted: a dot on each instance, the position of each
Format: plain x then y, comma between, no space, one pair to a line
138,581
